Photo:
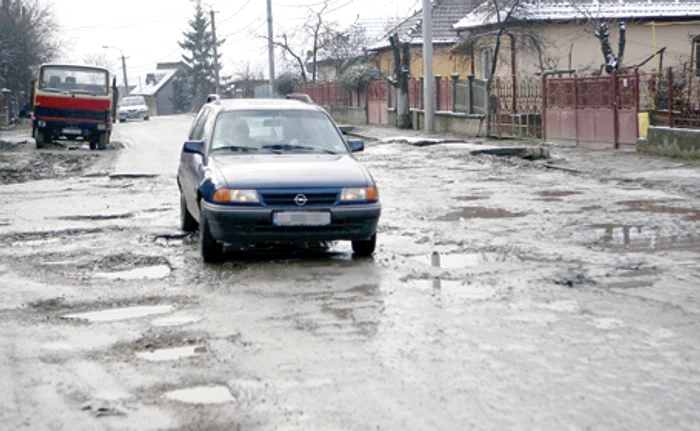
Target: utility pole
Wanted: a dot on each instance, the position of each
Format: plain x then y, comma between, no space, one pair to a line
429,98
126,81
270,48
216,54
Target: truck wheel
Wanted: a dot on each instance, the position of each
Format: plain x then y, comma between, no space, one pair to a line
42,138
93,144
102,140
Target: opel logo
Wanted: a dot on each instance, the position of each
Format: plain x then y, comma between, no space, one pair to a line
300,200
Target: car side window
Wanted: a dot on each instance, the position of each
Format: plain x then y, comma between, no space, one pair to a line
197,132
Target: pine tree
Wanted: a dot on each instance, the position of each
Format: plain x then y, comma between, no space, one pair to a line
199,47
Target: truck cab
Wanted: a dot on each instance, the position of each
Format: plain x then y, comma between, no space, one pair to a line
72,102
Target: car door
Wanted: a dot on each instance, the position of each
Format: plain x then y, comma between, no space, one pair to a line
191,165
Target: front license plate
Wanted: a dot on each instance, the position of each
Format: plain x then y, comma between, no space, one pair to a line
71,131
301,218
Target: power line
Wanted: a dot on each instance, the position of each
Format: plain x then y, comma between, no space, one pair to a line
235,13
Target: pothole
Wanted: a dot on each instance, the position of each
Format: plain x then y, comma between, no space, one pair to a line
657,207
116,314
558,193
131,176
175,320
150,272
471,198
642,239
202,395
458,288
172,353
96,217
466,260
478,212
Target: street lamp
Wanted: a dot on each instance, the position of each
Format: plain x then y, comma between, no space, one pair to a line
126,81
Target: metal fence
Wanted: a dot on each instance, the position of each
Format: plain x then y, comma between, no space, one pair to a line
674,98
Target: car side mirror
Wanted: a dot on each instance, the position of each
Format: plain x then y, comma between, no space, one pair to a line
356,145
193,147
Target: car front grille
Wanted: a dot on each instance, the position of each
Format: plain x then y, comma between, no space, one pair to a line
289,198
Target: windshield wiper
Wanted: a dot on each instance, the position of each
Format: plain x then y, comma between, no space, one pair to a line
83,92
51,90
288,147
243,149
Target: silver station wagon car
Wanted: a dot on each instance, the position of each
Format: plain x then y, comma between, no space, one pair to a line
261,171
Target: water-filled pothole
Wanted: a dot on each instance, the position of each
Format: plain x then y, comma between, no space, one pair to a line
202,395
640,239
174,320
150,272
478,212
656,207
558,193
116,314
466,260
171,353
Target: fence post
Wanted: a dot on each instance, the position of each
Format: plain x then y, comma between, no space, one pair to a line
636,99
471,93
544,107
670,97
388,94
616,118
438,78
576,107
455,77
421,95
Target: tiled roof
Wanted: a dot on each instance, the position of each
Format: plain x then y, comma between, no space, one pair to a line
445,14
557,10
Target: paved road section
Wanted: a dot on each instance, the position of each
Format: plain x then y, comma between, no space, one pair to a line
504,294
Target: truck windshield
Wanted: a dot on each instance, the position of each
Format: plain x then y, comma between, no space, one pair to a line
74,80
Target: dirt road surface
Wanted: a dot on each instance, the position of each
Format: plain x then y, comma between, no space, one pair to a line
504,294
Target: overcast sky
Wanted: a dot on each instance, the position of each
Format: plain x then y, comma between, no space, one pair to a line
147,31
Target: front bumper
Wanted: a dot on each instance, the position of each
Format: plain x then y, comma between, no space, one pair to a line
57,127
128,115
245,225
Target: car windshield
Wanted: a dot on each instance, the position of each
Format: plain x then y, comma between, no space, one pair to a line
74,80
276,132
133,101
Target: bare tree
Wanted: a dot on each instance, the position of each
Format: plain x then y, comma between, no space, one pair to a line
402,62
612,62
344,45
246,76
287,49
98,59
27,39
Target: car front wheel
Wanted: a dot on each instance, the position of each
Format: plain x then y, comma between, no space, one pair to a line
210,247
364,248
187,222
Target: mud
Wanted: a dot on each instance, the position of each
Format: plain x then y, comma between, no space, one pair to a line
532,303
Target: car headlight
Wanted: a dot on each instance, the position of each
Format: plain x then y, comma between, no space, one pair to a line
359,194
238,196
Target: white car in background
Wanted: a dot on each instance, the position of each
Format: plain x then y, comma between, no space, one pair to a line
132,107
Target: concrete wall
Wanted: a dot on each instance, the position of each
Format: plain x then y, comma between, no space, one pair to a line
666,141
447,122
347,114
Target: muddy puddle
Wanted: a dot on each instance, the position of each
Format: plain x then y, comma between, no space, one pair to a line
471,198
558,193
202,395
478,212
172,353
149,272
642,239
117,314
175,320
96,217
660,207
457,288
465,260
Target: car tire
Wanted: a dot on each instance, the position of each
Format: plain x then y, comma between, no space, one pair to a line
42,138
93,144
187,222
211,248
146,118
121,120
364,248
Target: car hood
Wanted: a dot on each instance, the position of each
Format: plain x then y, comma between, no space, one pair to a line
133,108
290,170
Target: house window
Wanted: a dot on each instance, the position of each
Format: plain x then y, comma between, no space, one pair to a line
486,62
